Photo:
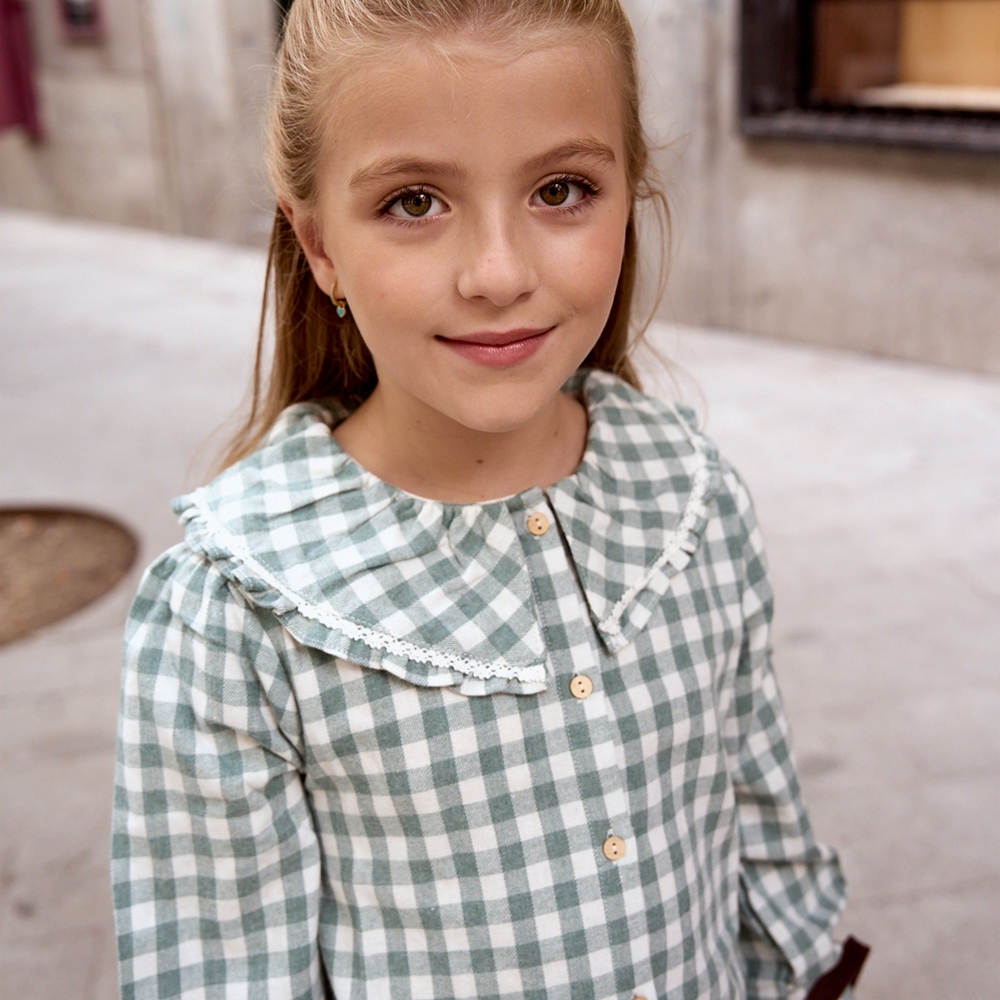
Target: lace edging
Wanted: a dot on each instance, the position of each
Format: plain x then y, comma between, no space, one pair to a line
374,639
612,623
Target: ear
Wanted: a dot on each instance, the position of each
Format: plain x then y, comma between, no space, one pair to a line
311,239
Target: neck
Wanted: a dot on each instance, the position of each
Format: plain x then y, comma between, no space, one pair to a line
421,450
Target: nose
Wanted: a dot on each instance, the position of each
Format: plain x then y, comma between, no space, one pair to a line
496,261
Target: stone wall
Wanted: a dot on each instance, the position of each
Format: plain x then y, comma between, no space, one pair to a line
887,250
157,125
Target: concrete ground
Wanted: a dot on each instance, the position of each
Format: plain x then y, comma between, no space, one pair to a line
877,484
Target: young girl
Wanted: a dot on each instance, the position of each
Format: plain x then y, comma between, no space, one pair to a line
459,685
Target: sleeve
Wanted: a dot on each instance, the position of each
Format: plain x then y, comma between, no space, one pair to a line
215,858
791,888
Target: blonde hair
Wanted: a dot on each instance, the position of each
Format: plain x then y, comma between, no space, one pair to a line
318,355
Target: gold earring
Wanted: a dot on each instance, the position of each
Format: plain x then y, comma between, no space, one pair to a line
339,304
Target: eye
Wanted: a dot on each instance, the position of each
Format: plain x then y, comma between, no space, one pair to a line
415,204
555,193
562,193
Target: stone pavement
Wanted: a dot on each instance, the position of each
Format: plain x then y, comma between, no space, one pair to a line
877,484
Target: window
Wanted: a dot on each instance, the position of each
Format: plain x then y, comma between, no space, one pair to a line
913,72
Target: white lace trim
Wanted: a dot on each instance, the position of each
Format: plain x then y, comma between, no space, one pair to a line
532,674
612,623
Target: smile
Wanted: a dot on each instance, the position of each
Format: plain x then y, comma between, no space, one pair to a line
498,349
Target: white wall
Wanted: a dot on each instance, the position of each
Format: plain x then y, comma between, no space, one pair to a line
888,250
157,126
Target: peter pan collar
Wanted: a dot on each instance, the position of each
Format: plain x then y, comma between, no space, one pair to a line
440,594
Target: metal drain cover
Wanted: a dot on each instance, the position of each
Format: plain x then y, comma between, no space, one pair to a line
54,562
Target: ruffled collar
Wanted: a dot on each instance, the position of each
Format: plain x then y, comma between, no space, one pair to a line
439,593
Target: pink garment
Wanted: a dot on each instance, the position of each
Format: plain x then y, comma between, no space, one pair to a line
17,87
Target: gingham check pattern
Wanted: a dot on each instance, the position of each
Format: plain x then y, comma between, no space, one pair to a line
350,761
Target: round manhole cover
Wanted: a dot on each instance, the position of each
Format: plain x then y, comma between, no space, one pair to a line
54,562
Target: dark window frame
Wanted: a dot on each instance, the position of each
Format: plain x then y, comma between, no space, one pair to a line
775,70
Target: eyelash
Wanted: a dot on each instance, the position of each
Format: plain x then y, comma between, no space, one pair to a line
383,210
589,188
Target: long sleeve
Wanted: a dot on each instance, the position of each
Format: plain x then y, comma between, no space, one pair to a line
215,860
791,887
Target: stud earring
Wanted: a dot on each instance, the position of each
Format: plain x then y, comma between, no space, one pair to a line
339,304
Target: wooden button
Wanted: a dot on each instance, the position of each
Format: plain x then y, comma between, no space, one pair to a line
614,848
538,523
581,687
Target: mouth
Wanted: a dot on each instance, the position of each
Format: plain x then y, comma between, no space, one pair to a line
498,348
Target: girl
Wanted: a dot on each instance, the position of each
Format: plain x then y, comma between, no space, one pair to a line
459,685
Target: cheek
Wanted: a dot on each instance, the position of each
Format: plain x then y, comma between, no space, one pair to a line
391,285
585,267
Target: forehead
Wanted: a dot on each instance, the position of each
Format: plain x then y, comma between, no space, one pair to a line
473,101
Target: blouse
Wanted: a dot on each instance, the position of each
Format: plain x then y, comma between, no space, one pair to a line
378,746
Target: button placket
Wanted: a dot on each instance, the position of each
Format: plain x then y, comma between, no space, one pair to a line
578,678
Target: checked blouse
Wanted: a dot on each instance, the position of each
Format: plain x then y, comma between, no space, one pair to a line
356,755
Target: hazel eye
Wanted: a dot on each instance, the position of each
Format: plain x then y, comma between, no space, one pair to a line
555,193
561,193
414,205
417,203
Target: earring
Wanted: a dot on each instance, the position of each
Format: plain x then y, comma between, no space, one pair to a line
340,304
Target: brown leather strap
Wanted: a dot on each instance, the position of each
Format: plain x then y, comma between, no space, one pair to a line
845,973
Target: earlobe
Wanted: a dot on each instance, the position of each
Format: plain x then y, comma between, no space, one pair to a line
309,237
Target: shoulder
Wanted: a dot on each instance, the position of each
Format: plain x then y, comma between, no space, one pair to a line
647,448
665,452
298,459
628,417
183,592
642,451
268,521
671,429
195,649
190,624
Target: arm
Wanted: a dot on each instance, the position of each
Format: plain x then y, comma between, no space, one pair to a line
215,861
791,888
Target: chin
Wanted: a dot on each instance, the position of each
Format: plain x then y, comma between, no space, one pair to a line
501,412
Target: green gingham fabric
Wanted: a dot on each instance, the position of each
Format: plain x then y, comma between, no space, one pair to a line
350,763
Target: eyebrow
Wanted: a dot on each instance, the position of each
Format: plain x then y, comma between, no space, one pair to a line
589,149
382,170
385,169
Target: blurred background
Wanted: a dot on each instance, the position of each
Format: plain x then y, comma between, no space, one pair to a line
833,313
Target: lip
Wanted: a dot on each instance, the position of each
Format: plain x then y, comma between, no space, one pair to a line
498,348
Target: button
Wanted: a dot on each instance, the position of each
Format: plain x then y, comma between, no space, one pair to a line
538,523
637,997
614,848
581,687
